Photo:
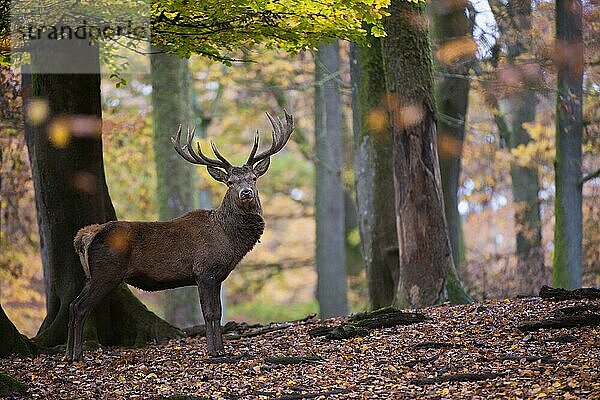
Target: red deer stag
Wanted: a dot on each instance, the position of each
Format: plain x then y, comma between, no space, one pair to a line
199,248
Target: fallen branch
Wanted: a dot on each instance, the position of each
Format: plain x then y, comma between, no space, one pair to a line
576,310
428,360
562,339
515,357
262,331
558,294
293,360
361,323
241,327
344,331
391,319
564,322
589,177
455,378
231,326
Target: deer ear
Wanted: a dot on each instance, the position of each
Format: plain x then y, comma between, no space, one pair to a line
217,174
262,167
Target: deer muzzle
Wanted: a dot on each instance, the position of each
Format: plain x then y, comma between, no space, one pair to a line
246,194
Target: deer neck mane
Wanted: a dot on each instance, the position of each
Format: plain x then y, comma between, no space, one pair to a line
243,226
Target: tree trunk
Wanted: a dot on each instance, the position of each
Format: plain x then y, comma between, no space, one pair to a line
176,179
452,29
424,247
331,284
567,262
374,175
525,187
65,151
520,107
12,341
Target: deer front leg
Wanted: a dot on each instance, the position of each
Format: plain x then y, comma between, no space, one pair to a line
218,331
211,309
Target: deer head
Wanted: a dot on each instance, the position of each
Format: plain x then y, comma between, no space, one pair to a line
241,181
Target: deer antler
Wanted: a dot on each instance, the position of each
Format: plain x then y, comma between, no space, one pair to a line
281,135
187,151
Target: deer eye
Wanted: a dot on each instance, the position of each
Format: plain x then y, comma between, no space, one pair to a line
229,182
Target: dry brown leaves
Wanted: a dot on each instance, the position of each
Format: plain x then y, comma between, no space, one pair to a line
478,345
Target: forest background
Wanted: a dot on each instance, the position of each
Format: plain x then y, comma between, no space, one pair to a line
277,281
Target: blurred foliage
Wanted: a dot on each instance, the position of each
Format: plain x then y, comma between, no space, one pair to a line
21,283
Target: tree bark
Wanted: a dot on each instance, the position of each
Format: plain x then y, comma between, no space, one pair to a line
65,151
374,175
424,246
520,107
12,341
452,29
567,262
176,179
331,284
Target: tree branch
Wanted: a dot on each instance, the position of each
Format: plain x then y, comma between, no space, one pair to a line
589,177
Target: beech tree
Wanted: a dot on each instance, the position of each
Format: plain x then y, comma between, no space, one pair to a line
455,52
65,151
374,175
427,274
516,107
567,261
176,181
331,268
12,341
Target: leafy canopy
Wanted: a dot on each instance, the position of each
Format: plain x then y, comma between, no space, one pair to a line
214,28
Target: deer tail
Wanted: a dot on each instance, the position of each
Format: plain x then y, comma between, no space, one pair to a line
81,243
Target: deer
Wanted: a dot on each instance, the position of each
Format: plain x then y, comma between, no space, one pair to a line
199,248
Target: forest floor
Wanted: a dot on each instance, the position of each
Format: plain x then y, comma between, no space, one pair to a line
477,351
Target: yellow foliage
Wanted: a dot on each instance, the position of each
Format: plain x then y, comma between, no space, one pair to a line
541,148
21,292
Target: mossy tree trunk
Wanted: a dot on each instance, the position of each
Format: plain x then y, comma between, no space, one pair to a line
427,273
452,31
374,175
567,262
65,151
331,269
12,341
176,179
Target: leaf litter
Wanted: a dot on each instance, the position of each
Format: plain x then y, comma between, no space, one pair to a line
472,351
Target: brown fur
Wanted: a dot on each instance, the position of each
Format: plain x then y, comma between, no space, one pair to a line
81,243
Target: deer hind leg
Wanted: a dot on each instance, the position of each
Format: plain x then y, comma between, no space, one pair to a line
211,310
71,332
81,308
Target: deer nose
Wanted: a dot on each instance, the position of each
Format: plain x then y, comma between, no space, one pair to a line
246,194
